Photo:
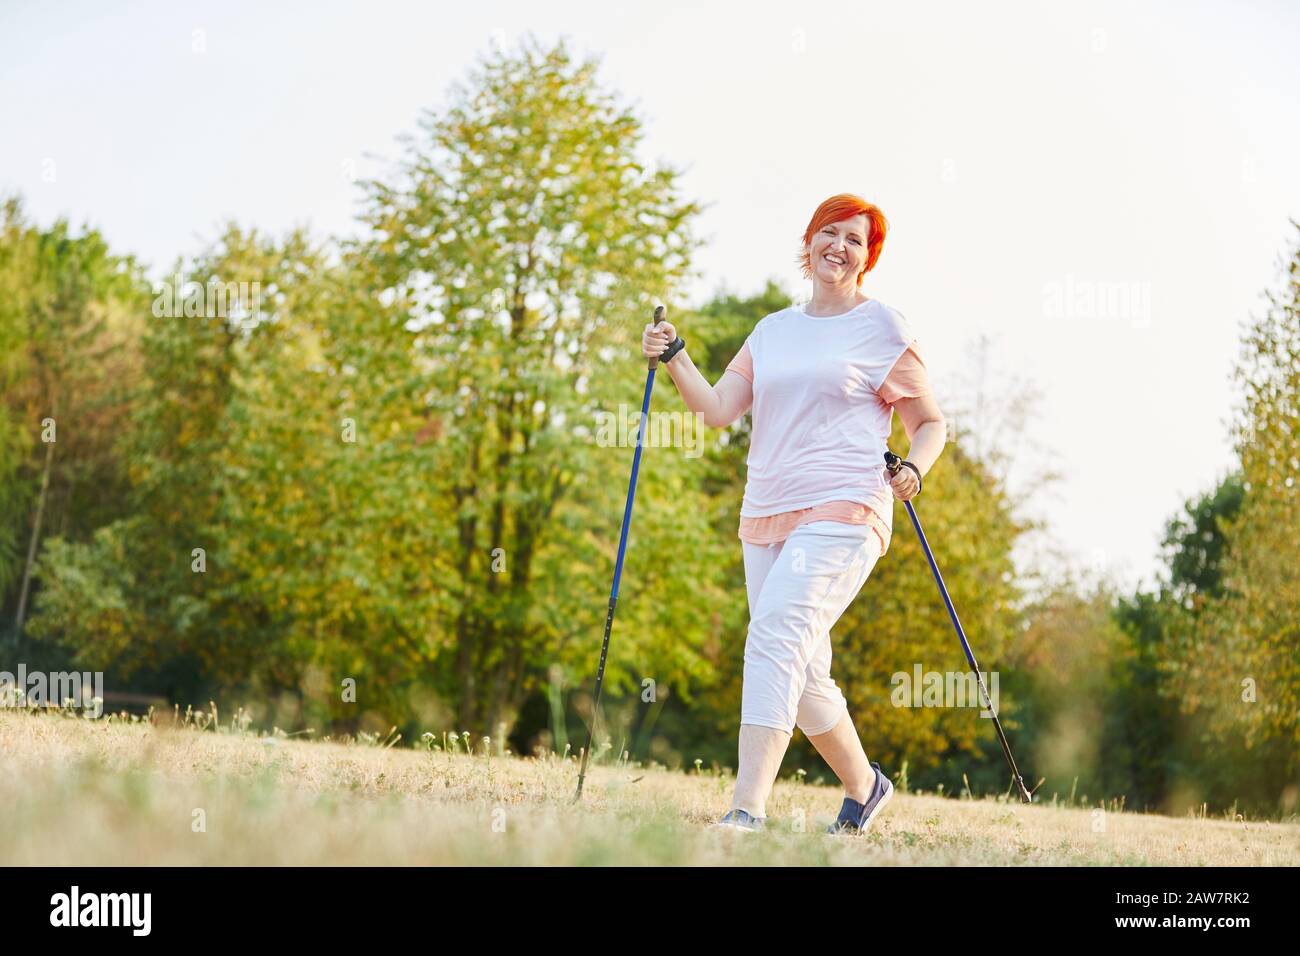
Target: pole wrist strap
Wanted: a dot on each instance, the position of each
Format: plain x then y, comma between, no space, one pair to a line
908,464
678,344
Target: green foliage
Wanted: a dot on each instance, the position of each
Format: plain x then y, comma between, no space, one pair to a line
89,591
1251,632
69,314
1240,665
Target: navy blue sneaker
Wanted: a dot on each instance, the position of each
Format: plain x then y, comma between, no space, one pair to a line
856,817
739,820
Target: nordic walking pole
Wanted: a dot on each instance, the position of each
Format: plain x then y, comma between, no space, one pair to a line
660,314
893,463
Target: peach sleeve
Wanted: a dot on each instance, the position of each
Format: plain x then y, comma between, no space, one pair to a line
743,363
907,379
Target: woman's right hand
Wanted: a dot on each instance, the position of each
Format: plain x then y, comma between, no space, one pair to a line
656,339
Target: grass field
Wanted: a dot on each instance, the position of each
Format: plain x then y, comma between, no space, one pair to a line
118,792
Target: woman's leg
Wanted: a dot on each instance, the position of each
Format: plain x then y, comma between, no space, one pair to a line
814,577
760,748
843,753
824,717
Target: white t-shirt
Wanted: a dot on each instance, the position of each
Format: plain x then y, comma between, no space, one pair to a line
819,426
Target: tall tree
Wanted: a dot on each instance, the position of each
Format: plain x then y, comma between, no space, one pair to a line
528,242
70,318
136,595
1241,663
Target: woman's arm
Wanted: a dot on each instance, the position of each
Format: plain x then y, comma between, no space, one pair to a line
927,433
720,404
926,429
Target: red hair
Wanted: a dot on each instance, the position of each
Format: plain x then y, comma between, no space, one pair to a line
836,209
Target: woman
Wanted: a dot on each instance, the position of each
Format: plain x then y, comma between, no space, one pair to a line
824,380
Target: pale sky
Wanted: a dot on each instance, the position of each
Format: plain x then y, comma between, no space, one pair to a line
1101,190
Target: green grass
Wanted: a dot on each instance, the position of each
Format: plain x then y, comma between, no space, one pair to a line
118,792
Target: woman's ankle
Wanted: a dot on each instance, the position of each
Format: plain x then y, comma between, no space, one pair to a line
863,792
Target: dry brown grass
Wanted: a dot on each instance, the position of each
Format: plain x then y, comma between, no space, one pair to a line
112,792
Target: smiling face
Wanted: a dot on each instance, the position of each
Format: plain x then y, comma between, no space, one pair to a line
838,251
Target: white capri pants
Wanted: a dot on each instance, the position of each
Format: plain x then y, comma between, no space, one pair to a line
797,590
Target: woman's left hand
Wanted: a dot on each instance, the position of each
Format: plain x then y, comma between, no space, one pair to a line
905,484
